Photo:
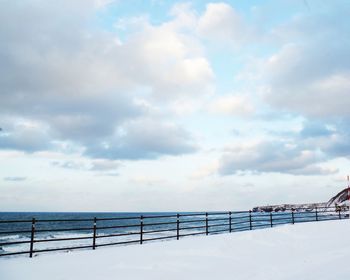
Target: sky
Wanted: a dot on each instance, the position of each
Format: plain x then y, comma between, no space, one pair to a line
172,105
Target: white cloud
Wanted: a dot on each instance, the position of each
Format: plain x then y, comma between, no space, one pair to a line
238,105
169,63
272,156
310,72
25,135
83,84
222,22
144,138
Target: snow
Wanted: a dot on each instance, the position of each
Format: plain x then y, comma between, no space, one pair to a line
302,251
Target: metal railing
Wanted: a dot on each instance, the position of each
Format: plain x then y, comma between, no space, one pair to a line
34,235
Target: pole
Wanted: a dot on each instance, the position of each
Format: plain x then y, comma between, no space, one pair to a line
32,238
141,229
206,224
250,220
271,223
230,219
177,226
94,234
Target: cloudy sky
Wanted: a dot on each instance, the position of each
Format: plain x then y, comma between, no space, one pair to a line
172,106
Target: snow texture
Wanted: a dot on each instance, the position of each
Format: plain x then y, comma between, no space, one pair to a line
302,251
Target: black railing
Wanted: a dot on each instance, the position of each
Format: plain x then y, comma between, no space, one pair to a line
33,236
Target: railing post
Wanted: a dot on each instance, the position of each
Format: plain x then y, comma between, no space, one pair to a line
250,220
94,234
339,214
206,224
316,213
177,226
293,217
141,229
230,219
32,238
271,223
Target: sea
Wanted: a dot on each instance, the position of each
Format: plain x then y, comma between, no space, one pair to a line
121,228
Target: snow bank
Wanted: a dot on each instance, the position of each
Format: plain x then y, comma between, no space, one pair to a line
302,251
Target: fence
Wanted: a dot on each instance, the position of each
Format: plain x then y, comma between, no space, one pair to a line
33,236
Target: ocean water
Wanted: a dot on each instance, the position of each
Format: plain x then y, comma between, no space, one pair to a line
125,228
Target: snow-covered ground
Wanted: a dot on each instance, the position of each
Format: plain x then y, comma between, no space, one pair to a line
302,251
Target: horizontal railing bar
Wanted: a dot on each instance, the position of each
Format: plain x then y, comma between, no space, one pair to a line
63,220
286,218
218,225
263,218
239,212
192,221
62,249
239,217
159,238
15,232
161,230
281,214
329,217
14,253
192,227
62,239
260,215
117,234
223,219
262,221
159,224
216,231
61,229
242,227
123,226
118,243
306,213
217,213
312,218
314,213
171,215
14,242
14,221
296,210
190,215
190,234
161,216
242,222
118,218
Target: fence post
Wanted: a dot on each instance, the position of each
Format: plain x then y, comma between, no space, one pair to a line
94,234
178,226
250,220
339,214
316,214
206,224
230,219
271,224
293,216
141,229
32,238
